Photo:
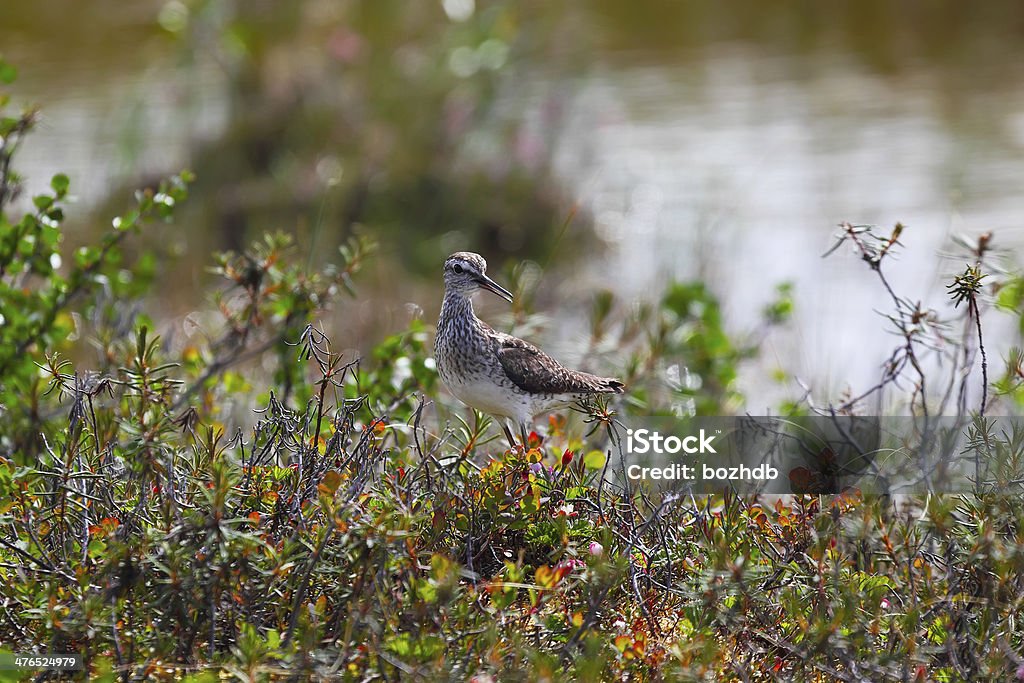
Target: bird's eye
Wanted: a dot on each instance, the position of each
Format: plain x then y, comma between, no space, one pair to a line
457,268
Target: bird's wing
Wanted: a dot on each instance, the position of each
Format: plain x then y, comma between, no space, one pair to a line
536,372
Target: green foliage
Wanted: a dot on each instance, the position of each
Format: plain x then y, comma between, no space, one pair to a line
683,360
37,293
692,327
400,370
967,285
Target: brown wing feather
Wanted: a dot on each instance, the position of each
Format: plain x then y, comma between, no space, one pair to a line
536,372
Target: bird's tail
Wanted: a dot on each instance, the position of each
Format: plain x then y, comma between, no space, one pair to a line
603,385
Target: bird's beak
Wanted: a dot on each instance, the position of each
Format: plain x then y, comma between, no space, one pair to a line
489,284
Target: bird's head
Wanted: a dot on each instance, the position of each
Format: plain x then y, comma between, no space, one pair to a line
466,272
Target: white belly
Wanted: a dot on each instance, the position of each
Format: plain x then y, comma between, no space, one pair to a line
488,397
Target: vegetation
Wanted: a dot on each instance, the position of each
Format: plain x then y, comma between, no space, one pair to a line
259,505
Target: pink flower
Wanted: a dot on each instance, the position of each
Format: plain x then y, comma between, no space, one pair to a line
596,549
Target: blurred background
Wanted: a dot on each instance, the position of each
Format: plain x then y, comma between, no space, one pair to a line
610,145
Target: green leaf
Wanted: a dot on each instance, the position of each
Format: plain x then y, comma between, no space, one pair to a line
425,647
594,460
273,639
426,591
8,123
86,256
8,72
60,184
8,672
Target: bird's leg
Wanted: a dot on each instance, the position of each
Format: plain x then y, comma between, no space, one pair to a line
508,435
523,433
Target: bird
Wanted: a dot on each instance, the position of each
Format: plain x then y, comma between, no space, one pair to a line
496,373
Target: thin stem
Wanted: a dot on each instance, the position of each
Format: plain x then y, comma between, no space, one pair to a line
984,357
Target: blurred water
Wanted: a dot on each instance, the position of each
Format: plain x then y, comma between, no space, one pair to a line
127,125
732,170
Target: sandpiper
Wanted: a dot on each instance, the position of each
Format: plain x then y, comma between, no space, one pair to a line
494,372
